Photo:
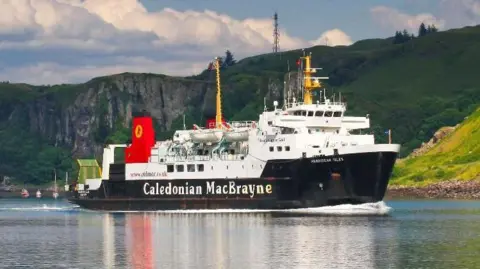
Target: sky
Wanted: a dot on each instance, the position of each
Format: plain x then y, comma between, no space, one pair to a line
72,41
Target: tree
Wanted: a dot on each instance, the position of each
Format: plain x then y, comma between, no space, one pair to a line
398,38
422,30
402,37
432,29
229,60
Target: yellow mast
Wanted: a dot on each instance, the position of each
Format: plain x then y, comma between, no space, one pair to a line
218,117
309,84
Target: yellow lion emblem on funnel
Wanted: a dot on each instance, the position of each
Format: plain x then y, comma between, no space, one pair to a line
138,131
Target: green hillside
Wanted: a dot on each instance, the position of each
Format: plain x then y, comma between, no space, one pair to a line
413,88
457,156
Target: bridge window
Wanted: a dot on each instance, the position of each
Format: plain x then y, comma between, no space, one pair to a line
279,148
337,114
170,168
328,113
200,167
318,113
287,148
310,113
180,168
304,113
271,148
190,167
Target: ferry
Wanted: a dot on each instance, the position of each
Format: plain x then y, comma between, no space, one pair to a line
303,154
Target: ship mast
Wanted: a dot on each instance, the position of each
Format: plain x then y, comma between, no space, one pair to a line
310,83
218,116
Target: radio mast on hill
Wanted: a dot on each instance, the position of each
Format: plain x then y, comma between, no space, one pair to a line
276,34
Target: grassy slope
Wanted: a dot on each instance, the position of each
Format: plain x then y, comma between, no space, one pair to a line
457,156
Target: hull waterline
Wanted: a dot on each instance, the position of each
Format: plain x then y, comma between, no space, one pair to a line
288,184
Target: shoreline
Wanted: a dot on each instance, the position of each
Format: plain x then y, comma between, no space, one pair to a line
452,189
32,191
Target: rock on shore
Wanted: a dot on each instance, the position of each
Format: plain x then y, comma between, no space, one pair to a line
453,189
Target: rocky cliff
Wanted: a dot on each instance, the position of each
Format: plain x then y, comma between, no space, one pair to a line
80,117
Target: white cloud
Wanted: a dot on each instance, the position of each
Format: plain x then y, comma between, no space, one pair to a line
459,13
448,14
165,40
44,73
394,19
335,37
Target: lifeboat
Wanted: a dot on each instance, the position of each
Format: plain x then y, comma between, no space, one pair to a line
236,135
206,135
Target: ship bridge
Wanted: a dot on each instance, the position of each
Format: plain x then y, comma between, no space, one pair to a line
327,115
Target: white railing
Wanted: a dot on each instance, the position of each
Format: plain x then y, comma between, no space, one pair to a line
193,158
242,124
330,103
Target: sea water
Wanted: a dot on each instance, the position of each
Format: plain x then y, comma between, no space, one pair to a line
47,233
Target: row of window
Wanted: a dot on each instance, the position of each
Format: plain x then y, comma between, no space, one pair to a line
191,167
317,113
181,168
280,148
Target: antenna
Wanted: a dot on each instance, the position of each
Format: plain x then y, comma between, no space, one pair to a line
299,77
276,34
285,87
184,126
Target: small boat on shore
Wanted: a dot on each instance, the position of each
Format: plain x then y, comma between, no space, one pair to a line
25,193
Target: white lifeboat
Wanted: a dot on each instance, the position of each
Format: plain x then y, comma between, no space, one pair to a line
206,135
236,135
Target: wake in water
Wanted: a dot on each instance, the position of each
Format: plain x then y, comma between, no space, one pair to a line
43,207
377,209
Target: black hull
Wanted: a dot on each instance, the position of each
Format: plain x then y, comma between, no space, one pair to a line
284,184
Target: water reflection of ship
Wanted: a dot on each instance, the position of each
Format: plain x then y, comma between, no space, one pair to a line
108,241
210,240
139,240
334,242
258,241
